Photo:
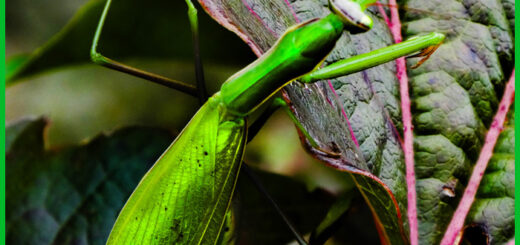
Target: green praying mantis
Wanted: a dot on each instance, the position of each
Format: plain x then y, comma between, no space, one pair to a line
184,197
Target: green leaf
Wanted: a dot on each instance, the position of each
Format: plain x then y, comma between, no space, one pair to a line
369,99
15,63
455,95
72,195
162,31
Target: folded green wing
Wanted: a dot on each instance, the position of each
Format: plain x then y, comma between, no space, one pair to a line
184,197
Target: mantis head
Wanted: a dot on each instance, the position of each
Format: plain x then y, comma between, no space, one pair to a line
352,14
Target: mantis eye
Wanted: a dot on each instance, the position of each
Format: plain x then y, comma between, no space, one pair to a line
352,15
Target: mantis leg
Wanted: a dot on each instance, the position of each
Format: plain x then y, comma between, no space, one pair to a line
199,71
422,44
99,59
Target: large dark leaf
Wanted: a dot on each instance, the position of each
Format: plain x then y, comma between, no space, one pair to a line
134,29
73,195
370,101
455,95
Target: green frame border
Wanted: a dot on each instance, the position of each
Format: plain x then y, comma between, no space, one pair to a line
2,135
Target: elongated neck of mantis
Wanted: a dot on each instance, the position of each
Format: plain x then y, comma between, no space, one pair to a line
298,51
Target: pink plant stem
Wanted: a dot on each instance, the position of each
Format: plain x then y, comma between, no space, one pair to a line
395,29
457,221
511,242
408,155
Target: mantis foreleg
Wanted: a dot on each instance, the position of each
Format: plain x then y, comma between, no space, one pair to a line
377,57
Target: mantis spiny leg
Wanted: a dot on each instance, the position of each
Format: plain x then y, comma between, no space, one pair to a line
99,59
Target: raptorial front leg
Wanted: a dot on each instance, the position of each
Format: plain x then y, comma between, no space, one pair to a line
425,45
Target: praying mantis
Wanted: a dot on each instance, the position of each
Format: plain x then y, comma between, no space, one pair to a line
184,197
